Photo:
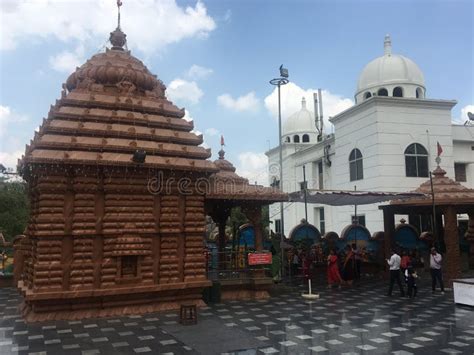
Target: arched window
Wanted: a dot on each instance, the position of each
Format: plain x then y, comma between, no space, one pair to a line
416,161
397,92
382,92
305,138
287,139
296,138
356,168
367,95
419,93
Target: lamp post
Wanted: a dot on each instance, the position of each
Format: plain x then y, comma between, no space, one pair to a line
282,80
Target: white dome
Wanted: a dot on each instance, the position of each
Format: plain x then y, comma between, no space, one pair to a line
388,72
300,123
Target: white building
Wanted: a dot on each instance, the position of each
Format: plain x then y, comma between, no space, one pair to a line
387,141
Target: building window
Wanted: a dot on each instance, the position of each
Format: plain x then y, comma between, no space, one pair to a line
277,226
355,165
275,183
416,161
382,92
420,222
320,175
460,172
367,95
419,93
359,219
305,138
321,219
303,185
296,138
398,92
129,266
287,139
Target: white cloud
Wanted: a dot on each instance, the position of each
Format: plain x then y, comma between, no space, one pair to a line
254,167
248,102
464,111
197,72
7,115
150,24
182,90
10,159
212,132
291,96
67,61
187,116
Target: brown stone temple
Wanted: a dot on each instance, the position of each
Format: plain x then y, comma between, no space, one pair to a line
450,199
111,230
119,188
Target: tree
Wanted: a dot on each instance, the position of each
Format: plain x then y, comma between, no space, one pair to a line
14,208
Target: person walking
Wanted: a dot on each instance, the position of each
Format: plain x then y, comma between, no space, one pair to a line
435,270
394,264
334,277
348,268
404,262
411,276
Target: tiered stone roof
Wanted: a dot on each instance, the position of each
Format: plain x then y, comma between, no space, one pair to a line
111,107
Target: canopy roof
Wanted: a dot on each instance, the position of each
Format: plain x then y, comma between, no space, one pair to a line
343,198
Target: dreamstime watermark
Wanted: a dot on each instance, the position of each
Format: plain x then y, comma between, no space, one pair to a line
161,185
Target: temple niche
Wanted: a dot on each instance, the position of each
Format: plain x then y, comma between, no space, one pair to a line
110,231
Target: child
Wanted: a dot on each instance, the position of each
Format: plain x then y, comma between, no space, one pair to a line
411,276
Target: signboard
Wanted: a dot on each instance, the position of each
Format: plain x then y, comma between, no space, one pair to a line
260,258
464,291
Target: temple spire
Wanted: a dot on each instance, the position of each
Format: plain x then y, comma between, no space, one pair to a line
117,38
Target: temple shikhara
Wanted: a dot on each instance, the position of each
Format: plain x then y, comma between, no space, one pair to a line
118,184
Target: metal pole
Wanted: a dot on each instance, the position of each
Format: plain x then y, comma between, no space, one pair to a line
305,196
435,234
280,146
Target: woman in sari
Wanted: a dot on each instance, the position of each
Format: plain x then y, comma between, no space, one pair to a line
348,269
333,270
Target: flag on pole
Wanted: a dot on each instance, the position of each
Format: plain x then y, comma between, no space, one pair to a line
119,3
440,149
222,140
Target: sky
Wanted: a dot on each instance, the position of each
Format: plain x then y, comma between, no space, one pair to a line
216,58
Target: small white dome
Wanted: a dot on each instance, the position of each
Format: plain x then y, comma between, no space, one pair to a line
299,124
388,72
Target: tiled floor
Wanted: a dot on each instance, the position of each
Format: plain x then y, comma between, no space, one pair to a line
360,320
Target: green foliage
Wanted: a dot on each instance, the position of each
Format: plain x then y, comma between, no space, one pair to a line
14,208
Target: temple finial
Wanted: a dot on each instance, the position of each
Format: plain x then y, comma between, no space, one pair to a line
117,37
119,4
303,103
387,45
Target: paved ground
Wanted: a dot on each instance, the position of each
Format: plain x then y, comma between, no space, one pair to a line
360,320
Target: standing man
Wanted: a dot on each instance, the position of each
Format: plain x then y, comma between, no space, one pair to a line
435,269
394,264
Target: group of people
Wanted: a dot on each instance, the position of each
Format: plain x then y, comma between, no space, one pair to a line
403,266
349,264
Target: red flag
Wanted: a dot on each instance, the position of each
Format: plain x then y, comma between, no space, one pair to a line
119,3
222,140
440,149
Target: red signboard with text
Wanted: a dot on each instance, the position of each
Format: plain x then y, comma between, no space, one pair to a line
260,258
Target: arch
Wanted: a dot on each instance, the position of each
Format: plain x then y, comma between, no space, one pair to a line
406,237
296,138
382,92
305,138
419,93
397,92
306,234
355,232
287,140
416,161
356,168
367,95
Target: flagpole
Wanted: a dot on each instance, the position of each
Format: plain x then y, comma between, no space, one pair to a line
435,234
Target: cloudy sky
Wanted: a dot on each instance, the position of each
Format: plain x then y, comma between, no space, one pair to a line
216,58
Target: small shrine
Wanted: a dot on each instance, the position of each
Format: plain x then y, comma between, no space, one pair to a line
111,230
446,198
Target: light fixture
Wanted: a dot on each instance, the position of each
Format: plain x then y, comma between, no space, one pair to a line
139,156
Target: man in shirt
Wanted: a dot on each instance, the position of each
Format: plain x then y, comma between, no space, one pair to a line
435,269
394,264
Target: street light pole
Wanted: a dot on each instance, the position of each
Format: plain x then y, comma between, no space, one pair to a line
282,80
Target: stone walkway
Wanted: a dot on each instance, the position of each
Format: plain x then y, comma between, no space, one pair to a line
359,320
